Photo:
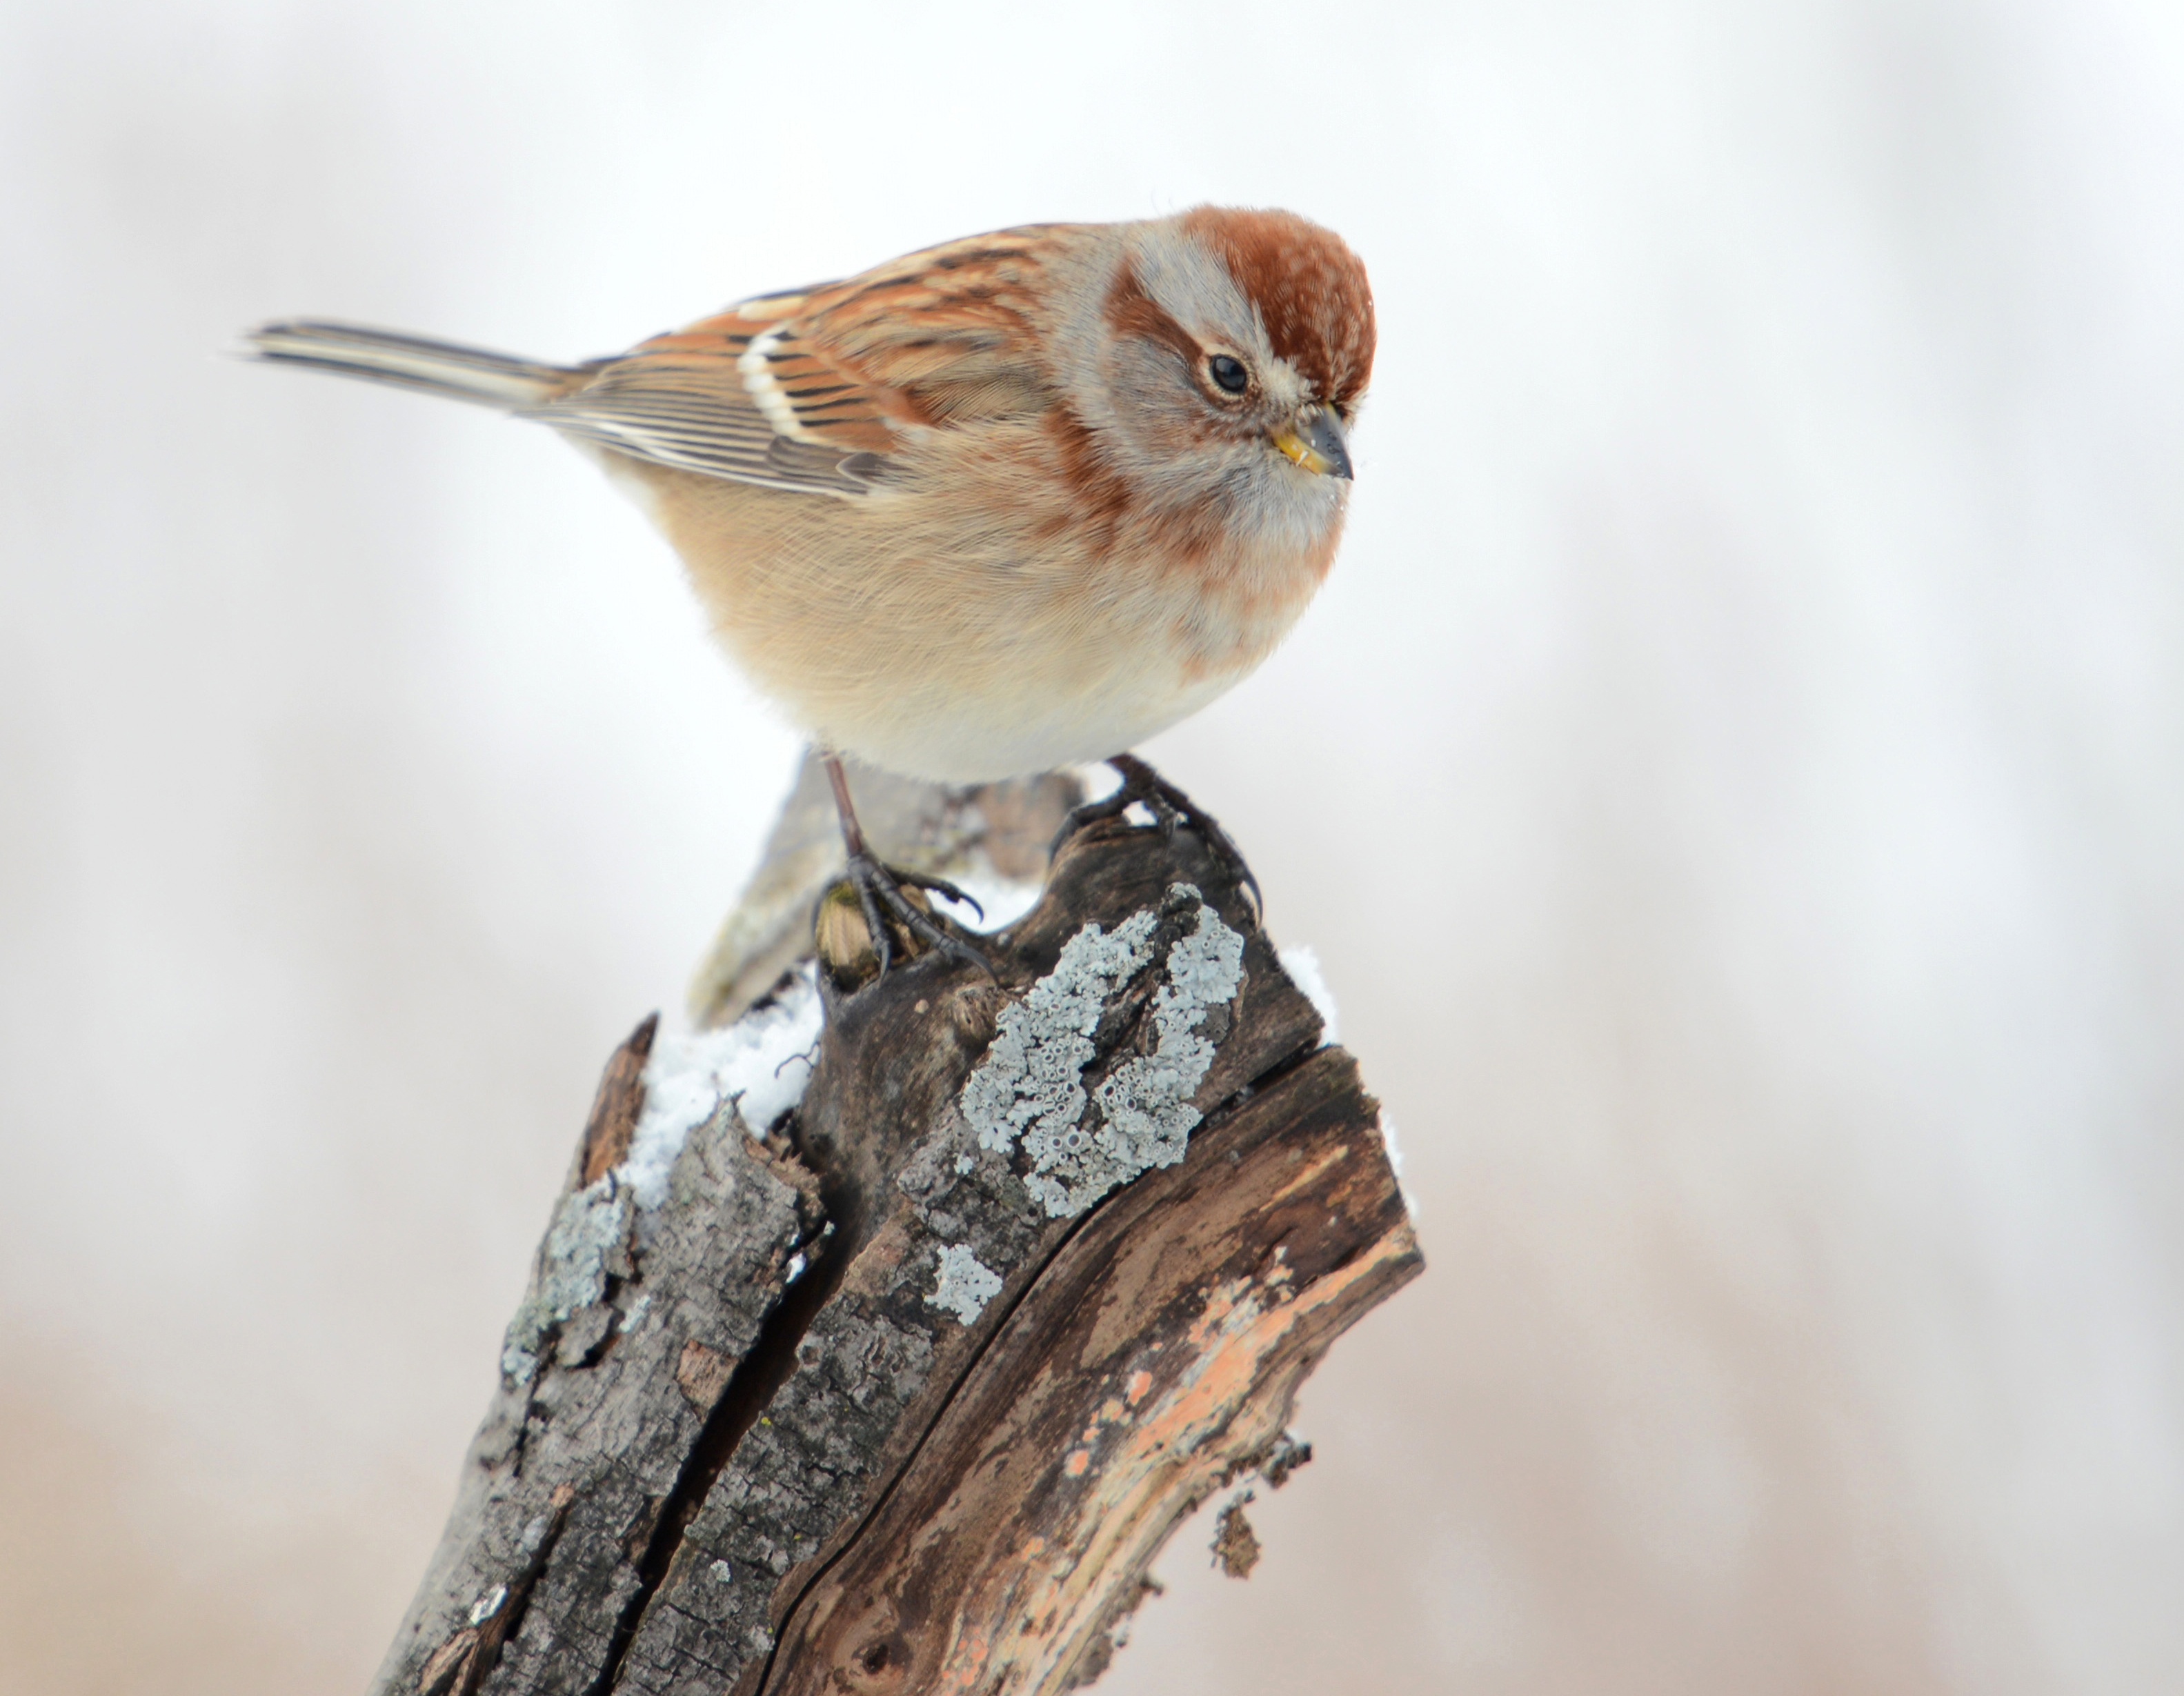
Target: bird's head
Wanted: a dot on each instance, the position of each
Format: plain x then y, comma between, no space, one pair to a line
1233,348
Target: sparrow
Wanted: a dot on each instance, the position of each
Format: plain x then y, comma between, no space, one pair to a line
1017,501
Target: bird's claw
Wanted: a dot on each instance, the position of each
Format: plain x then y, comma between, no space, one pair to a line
1170,807
879,890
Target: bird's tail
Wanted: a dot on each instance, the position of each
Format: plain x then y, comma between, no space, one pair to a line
410,362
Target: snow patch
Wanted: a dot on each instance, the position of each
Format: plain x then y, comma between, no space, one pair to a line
1396,1165
761,1064
1302,963
1100,779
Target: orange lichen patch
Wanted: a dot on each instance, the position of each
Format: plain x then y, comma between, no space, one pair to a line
1223,1381
1110,1410
1078,1461
1140,1381
968,1653
1219,1304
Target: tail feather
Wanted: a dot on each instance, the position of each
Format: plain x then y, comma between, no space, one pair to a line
410,362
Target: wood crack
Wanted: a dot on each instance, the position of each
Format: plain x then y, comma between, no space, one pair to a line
749,1388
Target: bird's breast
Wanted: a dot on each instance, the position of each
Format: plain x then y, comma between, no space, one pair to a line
979,626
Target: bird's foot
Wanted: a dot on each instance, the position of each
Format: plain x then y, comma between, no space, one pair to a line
1170,807
878,911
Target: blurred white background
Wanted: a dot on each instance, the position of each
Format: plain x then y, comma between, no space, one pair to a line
1735,780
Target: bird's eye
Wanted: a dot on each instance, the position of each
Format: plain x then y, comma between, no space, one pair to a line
1228,373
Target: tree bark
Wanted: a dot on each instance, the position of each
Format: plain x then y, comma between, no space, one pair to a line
904,1389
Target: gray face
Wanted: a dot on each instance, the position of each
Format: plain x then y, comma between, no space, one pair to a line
1187,401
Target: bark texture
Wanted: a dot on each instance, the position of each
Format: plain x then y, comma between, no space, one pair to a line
906,1394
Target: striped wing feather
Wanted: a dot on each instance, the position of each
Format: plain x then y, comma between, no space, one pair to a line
812,390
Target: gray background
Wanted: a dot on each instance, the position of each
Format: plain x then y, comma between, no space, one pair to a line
1732,779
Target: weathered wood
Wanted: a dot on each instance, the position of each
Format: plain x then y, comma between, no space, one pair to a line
1153,1358
906,1394
597,1410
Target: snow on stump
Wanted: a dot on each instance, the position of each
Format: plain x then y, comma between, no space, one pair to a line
881,1338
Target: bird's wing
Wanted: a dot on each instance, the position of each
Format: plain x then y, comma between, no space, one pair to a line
813,389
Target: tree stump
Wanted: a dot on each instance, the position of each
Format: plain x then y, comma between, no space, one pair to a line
883,1335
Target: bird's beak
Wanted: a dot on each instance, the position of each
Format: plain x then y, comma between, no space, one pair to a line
1313,439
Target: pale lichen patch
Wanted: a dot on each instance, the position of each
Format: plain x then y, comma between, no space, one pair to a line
1029,1089
1147,1100
1030,1084
964,1284
589,1230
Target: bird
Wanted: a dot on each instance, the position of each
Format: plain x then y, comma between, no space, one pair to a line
1012,502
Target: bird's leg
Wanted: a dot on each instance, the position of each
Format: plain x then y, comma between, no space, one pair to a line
880,887
1169,807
